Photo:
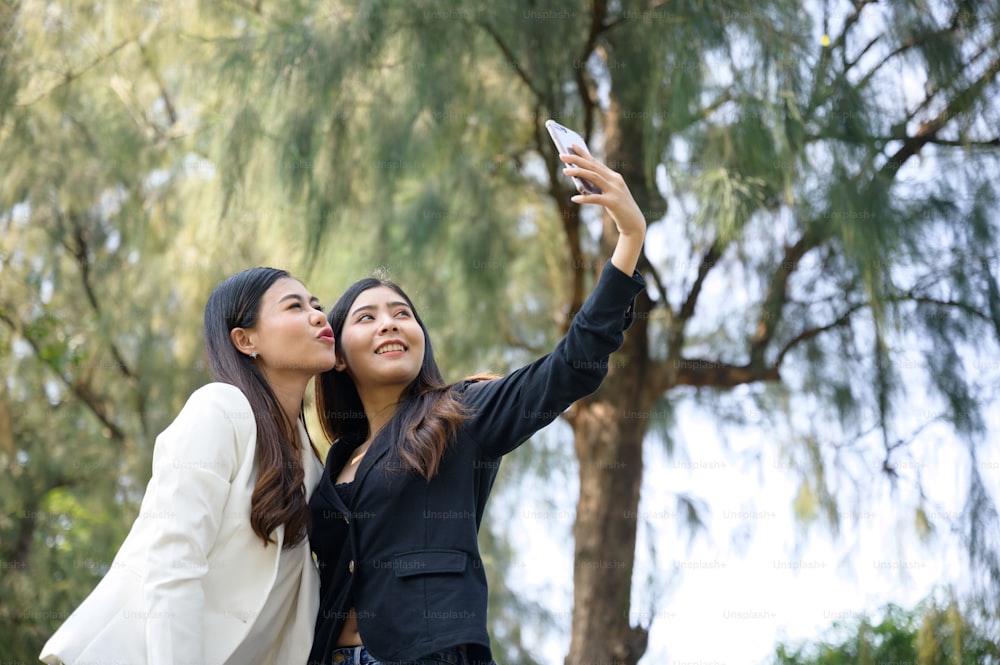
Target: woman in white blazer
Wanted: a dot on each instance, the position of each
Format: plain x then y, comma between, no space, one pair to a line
217,568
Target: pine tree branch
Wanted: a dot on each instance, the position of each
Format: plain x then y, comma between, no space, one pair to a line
82,390
841,41
77,245
845,317
931,94
927,132
705,373
569,213
903,47
933,140
777,295
598,14
861,54
70,76
912,42
827,53
811,333
645,266
701,372
161,86
708,261
511,59
20,553
965,308
679,320
27,523
951,143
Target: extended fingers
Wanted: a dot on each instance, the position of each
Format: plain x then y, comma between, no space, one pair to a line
605,179
580,172
578,156
591,163
588,198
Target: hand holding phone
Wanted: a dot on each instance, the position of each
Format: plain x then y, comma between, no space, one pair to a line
565,138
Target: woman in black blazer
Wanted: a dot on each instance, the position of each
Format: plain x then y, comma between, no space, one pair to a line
396,515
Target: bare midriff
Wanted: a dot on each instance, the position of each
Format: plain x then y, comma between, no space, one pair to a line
349,635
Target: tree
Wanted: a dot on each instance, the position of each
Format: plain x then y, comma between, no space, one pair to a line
114,230
85,385
781,148
101,295
930,634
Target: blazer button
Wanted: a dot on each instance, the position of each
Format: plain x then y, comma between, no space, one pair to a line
350,566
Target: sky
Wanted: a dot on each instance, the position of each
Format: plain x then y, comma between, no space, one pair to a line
754,577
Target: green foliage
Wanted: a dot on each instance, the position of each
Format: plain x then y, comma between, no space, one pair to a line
930,634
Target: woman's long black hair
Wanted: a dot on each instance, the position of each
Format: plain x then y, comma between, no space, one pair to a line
279,495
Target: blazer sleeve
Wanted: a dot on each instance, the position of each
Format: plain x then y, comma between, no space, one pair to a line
508,410
194,461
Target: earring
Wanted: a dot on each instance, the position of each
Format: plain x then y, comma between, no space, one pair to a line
253,354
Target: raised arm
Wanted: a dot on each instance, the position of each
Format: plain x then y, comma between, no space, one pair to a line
510,409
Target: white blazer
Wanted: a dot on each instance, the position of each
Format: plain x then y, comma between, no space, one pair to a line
192,576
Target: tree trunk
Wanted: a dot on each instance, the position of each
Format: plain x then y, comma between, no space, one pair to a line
608,430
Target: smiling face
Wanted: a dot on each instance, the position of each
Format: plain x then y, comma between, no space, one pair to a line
291,334
382,344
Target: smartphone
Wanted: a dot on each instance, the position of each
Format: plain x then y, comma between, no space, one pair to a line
565,138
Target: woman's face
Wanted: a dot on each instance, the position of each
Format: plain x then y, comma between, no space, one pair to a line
381,342
291,333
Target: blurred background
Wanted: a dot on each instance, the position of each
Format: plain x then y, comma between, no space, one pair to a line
795,456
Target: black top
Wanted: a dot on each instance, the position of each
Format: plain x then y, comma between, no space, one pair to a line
404,551
345,491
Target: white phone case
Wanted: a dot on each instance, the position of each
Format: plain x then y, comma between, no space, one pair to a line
565,138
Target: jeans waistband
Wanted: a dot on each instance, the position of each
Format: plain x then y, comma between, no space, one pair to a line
351,656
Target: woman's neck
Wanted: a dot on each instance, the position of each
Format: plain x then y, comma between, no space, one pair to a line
290,395
380,406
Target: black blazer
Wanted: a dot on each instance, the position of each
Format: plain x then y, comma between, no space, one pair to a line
405,552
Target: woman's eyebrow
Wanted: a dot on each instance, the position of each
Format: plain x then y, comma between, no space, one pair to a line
362,308
391,304
297,296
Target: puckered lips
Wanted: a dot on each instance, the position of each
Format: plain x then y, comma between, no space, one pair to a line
326,334
390,347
